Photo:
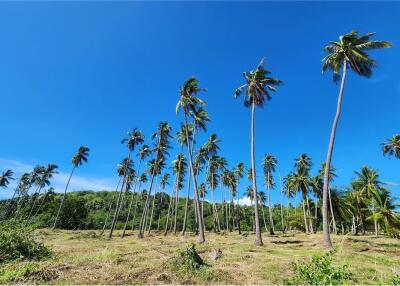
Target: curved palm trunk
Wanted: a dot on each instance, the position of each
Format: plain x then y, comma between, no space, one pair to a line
146,207
119,200
152,212
186,204
138,196
110,207
325,224
159,215
271,220
332,213
201,237
63,199
169,212
258,240
33,207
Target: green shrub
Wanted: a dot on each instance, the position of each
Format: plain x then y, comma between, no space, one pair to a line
320,271
395,280
188,260
17,242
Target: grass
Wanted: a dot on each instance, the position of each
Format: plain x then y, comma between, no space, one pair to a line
81,257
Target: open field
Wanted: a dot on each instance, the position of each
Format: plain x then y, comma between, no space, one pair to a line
83,258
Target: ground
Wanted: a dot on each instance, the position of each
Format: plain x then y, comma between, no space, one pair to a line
81,257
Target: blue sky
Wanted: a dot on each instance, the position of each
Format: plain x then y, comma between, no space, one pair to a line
84,73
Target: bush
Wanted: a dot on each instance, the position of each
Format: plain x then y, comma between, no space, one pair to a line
395,280
320,271
188,260
19,243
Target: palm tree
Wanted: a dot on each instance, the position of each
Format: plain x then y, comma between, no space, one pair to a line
262,198
239,172
212,178
144,152
366,184
142,179
331,177
5,178
269,165
191,106
392,146
257,87
290,191
42,181
349,51
79,158
135,137
126,169
250,194
182,141
301,182
163,183
179,168
162,136
384,210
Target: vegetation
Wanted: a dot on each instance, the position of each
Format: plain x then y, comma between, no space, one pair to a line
17,242
320,271
142,205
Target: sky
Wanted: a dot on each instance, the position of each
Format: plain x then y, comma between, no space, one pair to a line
85,73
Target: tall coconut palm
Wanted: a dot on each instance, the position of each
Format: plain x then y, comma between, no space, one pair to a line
79,158
144,152
192,108
258,86
142,180
161,137
20,191
331,176
179,168
392,146
211,148
212,178
250,194
239,172
126,169
269,166
262,199
182,141
135,137
42,181
350,51
290,191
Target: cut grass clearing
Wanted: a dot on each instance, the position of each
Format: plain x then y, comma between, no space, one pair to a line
81,257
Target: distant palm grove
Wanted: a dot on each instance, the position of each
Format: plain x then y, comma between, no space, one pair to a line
140,201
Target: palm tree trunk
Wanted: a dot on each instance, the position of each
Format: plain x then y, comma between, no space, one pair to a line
258,240
263,215
110,207
201,237
176,210
311,229
170,202
138,196
63,199
159,214
325,225
281,197
332,213
152,211
271,219
305,216
186,204
33,206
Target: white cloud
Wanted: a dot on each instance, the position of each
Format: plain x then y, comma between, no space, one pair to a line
59,180
245,201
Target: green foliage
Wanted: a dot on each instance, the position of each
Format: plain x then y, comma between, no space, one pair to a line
320,271
187,261
19,243
395,280
14,274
